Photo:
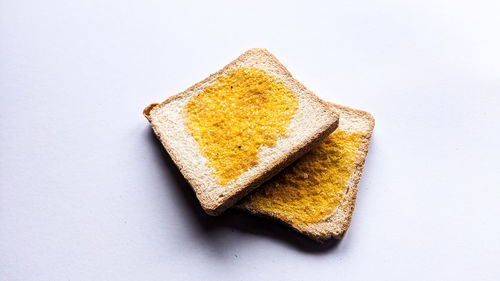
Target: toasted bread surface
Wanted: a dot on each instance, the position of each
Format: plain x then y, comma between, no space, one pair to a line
299,195
313,121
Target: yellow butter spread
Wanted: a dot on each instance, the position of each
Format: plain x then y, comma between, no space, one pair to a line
310,189
234,117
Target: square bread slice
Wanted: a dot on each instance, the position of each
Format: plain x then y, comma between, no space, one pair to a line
317,193
239,127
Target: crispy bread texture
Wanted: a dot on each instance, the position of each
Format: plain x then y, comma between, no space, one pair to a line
336,224
313,121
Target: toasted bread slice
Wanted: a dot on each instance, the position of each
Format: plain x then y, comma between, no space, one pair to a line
271,120
316,194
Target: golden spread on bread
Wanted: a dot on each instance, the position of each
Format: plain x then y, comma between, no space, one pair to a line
310,190
238,114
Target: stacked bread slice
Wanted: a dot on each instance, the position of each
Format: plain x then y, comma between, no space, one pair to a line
252,126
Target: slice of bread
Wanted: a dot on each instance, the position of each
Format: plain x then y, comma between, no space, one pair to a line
316,194
310,121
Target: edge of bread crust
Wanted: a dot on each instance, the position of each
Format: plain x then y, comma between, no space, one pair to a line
213,207
336,225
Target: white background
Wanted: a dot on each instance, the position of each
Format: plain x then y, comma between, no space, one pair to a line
86,192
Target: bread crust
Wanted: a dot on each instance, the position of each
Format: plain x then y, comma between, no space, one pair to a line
335,226
215,207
